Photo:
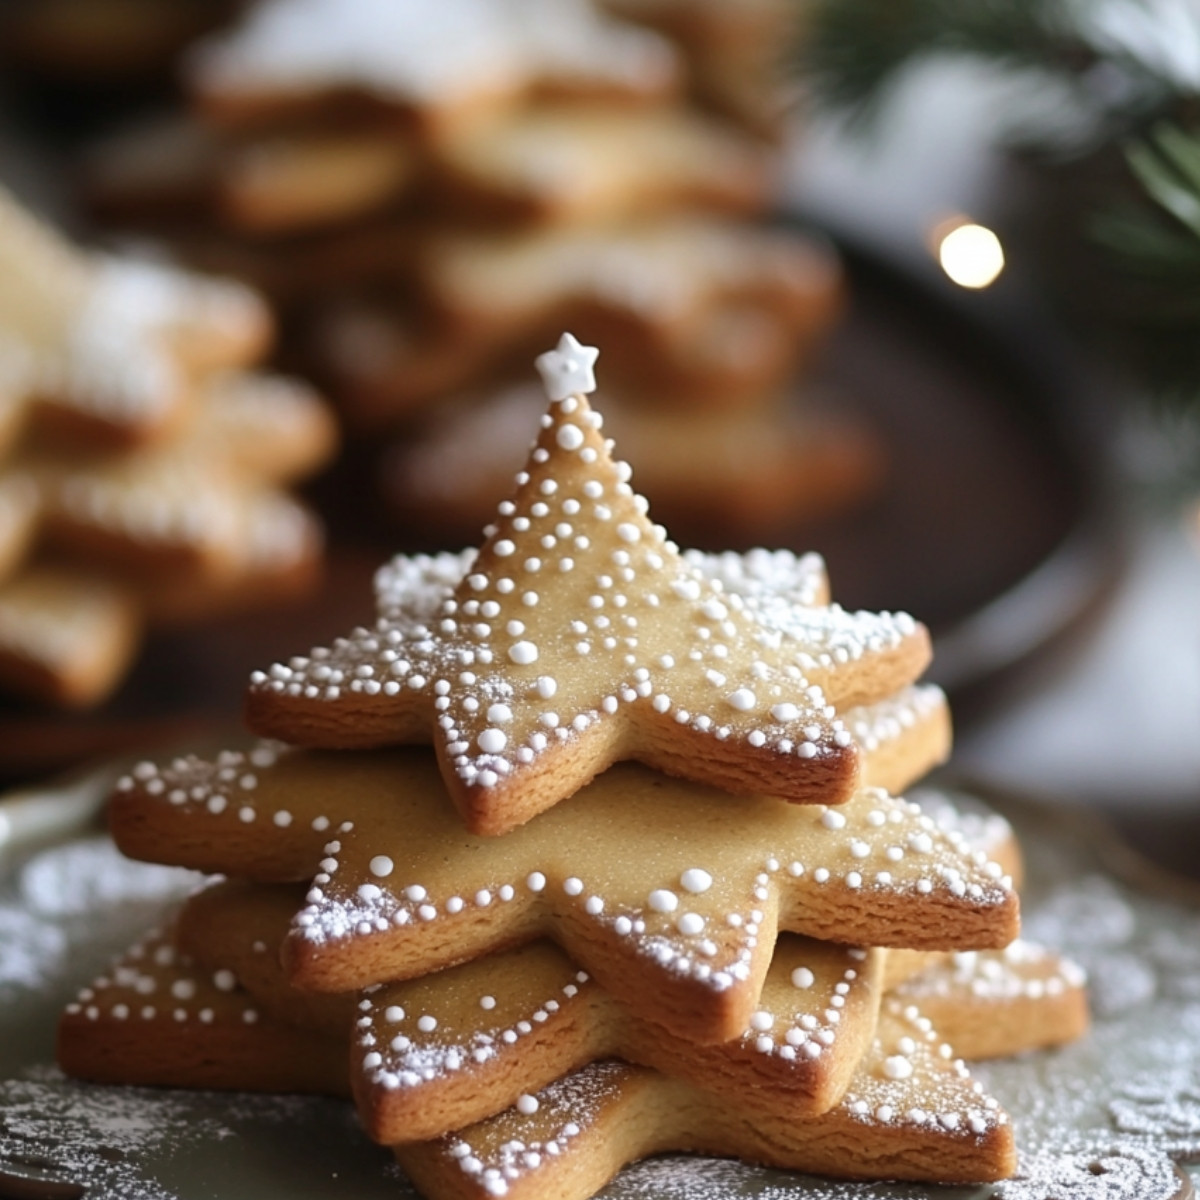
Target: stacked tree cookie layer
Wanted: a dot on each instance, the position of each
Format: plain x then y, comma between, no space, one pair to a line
433,189
141,462
530,960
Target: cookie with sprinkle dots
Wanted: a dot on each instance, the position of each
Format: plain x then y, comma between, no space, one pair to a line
579,636
454,1047
107,348
460,1045
156,1019
911,1110
910,1113
682,932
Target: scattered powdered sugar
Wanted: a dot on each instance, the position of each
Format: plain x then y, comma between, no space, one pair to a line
63,897
94,1136
1115,1173
90,875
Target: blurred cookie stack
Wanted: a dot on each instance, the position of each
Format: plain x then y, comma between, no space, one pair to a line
431,190
141,461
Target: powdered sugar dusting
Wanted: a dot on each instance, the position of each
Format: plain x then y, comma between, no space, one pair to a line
90,875
53,907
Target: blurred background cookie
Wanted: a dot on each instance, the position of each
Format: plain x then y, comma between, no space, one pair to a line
144,461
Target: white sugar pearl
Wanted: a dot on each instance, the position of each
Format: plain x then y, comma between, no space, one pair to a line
802,977
492,741
663,901
499,714
523,653
743,699
690,923
528,1105
696,880
381,866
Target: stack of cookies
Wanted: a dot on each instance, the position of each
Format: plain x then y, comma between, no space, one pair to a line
431,190
530,960
142,463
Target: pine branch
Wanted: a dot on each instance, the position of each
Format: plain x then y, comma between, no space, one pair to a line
856,50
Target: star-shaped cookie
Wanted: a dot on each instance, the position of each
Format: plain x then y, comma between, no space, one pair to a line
911,1109
926,1120
682,932
108,346
470,1040
440,61
579,636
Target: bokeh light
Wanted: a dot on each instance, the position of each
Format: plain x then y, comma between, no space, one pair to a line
970,254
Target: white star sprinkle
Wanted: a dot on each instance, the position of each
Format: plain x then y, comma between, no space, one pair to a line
567,370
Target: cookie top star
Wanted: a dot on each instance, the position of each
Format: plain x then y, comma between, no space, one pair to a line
580,635
568,369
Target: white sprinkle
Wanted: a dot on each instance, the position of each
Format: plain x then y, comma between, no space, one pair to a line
523,653
696,880
569,436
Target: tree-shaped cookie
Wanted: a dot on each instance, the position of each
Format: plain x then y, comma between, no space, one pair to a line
581,636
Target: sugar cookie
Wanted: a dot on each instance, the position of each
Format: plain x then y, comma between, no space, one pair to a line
394,897
155,1020
910,1111
927,1120
66,636
439,61
457,1046
994,1004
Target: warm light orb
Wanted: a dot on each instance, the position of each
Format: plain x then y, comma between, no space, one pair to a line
971,255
